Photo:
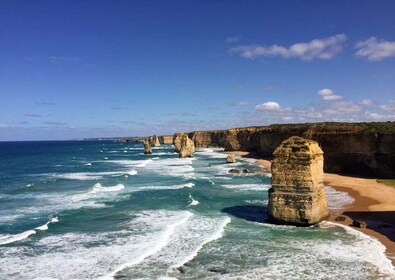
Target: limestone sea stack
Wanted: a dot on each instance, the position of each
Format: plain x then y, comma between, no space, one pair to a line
187,147
154,141
147,147
297,195
230,159
177,137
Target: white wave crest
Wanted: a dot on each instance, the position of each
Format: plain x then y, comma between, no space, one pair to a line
248,187
99,188
336,199
11,238
193,201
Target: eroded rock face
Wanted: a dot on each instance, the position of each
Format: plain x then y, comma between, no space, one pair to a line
177,137
187,147
362,149
147,147
297,195
166,139
154,141
230,159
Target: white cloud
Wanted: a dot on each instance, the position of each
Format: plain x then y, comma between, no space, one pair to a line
325,48
366,102
375,50
375,116
328,95
336,110
268,106
387,107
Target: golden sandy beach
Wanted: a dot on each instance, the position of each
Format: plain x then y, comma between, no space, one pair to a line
374,203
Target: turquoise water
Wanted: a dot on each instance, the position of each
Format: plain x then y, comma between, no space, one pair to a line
104,210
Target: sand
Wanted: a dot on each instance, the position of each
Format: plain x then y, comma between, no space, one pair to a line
374,204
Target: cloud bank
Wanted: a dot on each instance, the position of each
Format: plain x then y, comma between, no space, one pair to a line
325,48
375,50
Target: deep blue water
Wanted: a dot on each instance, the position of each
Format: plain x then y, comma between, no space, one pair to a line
100,209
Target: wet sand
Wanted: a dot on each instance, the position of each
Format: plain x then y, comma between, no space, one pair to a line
374,203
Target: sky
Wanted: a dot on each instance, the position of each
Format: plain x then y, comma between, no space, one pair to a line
80,69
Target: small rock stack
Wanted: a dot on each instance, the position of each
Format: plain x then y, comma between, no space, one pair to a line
154,141
297,195
147,147
187,147
230,159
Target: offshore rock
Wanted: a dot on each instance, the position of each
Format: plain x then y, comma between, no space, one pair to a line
230,159
147,147
234,171
297,195
187,147
154,141
177,137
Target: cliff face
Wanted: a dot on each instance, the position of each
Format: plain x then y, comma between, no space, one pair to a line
166,139
365,149
297,195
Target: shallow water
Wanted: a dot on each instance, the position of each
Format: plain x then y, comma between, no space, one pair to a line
96,209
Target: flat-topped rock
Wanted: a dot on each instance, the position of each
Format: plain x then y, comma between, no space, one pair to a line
297,195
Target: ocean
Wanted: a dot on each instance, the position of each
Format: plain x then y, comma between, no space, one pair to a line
104,210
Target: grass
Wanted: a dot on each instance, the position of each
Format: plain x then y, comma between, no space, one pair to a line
387,182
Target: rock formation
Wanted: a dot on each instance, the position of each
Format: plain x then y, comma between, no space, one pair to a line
166,139
147,147
154,141
187,147
297,195
177,137
230,159
361,149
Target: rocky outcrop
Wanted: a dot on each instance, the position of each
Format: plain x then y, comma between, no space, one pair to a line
187,147
166,139
361,149
154,141
297,195
230,159
147,147
177,137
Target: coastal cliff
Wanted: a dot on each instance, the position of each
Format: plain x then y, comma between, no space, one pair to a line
361,149
166,139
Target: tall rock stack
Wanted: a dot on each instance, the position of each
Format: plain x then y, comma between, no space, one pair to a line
147,147
187,147
297,195
154,141
177,137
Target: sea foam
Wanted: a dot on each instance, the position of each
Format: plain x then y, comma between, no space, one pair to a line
10,238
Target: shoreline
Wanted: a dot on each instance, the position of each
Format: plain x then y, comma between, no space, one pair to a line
374,203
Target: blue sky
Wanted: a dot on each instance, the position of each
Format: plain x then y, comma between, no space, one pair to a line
77,69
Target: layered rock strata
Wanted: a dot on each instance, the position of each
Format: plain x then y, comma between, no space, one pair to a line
187,147
166,139
297,195
147,147
361,149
